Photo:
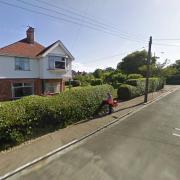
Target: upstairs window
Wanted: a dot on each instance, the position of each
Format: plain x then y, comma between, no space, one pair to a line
22,64
57,62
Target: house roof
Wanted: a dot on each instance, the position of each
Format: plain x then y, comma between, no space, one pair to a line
54,45
22,48
32,50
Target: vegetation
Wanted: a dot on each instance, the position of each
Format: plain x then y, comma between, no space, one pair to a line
35,115
136,87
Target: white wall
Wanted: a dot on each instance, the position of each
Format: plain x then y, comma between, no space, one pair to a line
58,50
44,65
7,69
39,68
45,73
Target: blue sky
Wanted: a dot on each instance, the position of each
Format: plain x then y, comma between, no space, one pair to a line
135,21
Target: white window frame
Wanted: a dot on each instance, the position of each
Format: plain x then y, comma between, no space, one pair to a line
23,85
53,61
55,85
22,60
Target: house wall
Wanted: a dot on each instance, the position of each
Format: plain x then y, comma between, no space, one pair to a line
7,69
6,87
49,74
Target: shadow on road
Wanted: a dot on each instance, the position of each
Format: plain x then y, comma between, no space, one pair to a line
103,115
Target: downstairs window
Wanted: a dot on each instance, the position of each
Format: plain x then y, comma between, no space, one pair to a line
22,89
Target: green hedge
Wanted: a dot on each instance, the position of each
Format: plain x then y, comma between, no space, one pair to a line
34,115
136,87
73,83
95,82
134,76
173,80
126,92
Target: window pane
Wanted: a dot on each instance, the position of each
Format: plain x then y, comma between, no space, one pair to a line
22,64
26,65
59,65
51,64
17,84
28,84
18,92
52,87
27,91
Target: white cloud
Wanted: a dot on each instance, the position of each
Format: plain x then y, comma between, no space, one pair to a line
81,67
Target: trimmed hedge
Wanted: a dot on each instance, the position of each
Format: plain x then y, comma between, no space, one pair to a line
73,83
136,87
173,80
95,82
34,115
126,92
134,76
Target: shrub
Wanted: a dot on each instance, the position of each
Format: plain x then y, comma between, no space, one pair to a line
119,77
73,83
95,82
116,85
134,76
173,80
34,115
126,92
136,87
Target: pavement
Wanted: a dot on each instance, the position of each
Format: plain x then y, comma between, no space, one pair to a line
132,144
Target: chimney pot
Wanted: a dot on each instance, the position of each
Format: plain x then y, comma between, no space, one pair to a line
30,35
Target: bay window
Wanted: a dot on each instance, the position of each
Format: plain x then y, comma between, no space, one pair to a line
57,62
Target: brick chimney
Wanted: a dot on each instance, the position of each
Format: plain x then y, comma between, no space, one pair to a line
30,35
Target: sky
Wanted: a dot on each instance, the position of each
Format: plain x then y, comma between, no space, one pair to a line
98,33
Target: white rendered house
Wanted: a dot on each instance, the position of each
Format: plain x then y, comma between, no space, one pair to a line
27,67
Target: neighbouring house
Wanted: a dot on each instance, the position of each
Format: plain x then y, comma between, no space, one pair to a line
27,68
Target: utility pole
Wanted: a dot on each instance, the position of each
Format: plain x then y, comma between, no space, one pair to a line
148,71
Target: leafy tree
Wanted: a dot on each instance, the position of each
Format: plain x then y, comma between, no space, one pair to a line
98,73
176,65
109,69
131,63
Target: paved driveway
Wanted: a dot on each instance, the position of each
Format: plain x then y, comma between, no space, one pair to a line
142,147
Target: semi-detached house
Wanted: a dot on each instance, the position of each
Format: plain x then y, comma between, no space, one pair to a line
27,67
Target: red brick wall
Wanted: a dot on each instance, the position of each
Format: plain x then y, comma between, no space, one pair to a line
6,89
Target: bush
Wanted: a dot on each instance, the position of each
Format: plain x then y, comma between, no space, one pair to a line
134,76
73,83
35,115
95,82
136,87
173,80
126,92
116,85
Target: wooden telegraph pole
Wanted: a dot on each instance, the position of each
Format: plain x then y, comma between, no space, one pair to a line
148,70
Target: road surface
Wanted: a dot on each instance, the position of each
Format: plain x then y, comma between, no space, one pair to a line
144,146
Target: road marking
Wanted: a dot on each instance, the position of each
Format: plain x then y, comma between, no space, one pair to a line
130,113
174,134
178,129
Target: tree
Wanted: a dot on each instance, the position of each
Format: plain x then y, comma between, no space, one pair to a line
98,73
177,66
131,63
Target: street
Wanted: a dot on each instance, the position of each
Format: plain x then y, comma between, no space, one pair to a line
144,146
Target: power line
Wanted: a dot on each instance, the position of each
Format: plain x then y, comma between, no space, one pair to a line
76,19
170,39
76,13
170,45
115,55
67,20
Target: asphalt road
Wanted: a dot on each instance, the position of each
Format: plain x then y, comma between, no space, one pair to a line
142,147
